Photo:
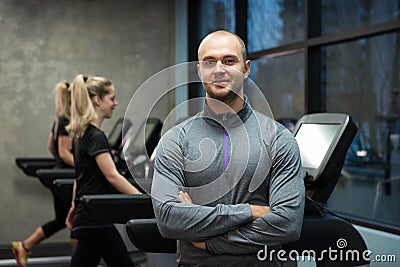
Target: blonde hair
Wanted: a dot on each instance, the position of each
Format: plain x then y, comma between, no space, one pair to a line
62,97
83,90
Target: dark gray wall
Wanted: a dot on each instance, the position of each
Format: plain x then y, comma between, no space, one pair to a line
44,41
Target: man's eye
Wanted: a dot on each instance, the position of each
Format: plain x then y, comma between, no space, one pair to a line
208,63
229,61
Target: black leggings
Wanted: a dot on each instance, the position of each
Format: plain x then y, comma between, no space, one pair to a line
100,242
61,211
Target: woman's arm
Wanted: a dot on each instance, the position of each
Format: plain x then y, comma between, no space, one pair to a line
50,144
64,149
70,216
107,167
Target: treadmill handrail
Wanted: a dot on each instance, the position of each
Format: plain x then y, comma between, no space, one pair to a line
118,208
56,173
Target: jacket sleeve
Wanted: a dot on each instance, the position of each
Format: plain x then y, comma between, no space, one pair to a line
180,221
284,221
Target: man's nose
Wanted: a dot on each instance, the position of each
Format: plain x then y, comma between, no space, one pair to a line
219,66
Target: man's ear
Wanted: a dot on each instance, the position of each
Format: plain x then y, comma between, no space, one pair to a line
246,69
199,72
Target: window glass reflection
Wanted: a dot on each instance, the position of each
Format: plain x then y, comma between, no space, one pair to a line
284,90
367,87
340,15
215,15
274,22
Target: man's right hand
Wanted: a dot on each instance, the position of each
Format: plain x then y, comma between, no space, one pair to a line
259,211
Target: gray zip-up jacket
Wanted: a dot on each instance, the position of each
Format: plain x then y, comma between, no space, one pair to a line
227,162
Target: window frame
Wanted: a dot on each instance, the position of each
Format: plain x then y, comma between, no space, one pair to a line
311,46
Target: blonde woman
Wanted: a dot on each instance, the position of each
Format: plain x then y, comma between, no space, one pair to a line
60,146
93,100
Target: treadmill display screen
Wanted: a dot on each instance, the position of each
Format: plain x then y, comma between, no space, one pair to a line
314,141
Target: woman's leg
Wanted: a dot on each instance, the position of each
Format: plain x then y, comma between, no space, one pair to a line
35,238
115,254
100,243
87,251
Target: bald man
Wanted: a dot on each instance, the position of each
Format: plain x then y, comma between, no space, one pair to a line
227,181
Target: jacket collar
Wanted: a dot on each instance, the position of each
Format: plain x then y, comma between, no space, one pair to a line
229,119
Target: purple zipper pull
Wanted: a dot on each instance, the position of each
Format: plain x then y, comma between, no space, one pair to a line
226,149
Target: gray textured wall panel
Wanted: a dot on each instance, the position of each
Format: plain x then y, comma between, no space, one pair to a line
45,41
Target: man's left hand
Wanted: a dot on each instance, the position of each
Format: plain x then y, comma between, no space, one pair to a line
200,245
184,197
